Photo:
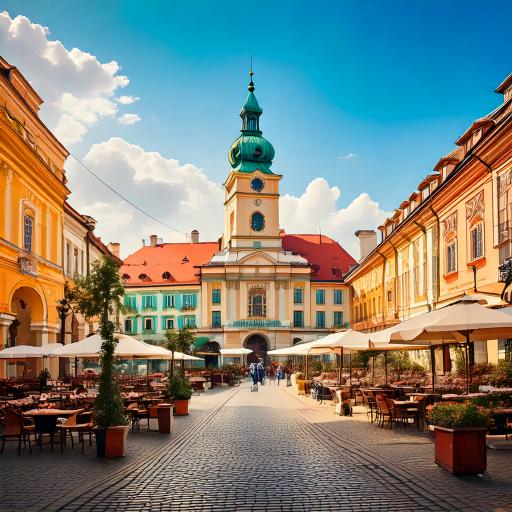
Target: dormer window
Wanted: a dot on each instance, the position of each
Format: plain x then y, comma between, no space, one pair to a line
126,277
143,277
425,193
166,276
185,260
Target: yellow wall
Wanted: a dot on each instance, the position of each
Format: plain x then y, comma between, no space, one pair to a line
31,177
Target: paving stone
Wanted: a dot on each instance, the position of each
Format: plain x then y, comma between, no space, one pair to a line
242,451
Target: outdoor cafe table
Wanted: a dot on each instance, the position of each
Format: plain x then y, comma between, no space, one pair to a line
45,420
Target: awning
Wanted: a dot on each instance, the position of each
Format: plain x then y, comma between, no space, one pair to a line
201,341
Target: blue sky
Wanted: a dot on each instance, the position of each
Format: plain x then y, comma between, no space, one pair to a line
392,83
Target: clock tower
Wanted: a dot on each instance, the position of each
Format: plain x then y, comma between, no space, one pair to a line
252,189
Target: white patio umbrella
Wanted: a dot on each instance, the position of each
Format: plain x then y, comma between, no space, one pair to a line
28,351
463,321
235,351
127,346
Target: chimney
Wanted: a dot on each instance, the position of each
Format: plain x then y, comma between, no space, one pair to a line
367,242
153,240
115,249
194,237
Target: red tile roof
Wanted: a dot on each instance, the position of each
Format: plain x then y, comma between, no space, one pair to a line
179,259
328,259
325,255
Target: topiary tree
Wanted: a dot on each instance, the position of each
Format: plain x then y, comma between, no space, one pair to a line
99,295
178,341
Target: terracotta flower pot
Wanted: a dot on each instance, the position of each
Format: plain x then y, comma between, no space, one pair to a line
181,407
111,441
461,451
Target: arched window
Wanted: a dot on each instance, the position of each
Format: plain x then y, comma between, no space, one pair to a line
28,229
257,221
257,301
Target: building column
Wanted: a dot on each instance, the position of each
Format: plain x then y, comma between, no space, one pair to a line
271,302
224,303
5,322
243,299
8,206
204,304
307,304
282,302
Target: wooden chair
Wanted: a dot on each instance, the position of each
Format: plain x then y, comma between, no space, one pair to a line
15,428
385,413
72,425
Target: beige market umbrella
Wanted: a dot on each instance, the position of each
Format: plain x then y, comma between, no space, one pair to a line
28,351
463,321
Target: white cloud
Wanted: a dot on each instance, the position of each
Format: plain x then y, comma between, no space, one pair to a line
318,206
128,119
77,88
348,156
181,195
127,100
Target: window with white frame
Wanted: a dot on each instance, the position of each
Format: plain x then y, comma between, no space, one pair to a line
477,242
148,324
169,323
28,230
451,256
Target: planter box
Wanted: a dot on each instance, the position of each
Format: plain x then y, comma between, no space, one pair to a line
111,441
461,451
181,407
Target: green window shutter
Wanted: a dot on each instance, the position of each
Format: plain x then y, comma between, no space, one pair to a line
216,296
338,296
194,300
320,296
298,319
320,319
216,321
297,296
337,319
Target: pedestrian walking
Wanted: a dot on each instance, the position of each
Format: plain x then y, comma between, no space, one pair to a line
253,373
260,370
279,374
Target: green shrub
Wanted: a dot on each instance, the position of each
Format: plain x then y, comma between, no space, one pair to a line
494,400
458,415
179,388
501,377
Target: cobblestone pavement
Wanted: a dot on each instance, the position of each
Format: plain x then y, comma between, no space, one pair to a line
244,451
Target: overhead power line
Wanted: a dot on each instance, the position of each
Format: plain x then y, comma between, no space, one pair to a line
112,189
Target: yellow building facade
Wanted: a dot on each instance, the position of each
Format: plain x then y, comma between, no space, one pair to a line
448,238
32,194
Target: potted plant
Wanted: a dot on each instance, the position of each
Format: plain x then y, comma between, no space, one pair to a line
43,377
97,296
181,392
459,431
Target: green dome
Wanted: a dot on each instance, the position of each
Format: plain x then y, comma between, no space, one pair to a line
251,151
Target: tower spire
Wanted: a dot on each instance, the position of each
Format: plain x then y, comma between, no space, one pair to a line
251,83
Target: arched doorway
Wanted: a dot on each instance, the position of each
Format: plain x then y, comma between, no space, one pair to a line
28,307
258,344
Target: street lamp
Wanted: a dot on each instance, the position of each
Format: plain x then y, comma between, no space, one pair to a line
63,311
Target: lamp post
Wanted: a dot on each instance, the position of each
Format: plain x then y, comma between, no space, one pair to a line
63,309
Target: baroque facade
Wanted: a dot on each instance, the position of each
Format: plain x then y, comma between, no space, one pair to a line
449,237
257,287
32,194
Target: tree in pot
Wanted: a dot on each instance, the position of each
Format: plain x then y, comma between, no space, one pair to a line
181,392
178,341
460,437
99,295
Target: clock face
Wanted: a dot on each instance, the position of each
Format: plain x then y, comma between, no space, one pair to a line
257,184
